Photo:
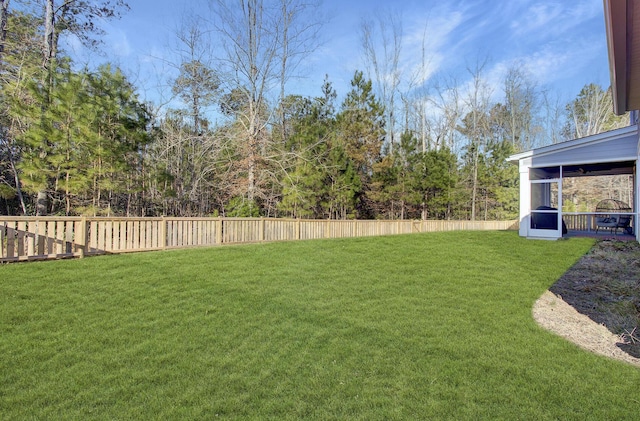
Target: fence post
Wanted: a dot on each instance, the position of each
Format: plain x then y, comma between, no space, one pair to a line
219,231
261,230
41,236
82,236
163,233
297,233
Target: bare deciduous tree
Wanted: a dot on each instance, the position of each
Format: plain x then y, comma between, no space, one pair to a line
476,127
262,43
552,118
521,101
442,115
301,22
250,70
382,45
197,83
592,112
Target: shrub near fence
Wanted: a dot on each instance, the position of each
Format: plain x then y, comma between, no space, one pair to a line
27,238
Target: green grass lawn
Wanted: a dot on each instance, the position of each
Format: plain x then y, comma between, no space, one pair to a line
427,326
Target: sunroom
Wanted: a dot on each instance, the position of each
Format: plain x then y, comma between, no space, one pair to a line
562,184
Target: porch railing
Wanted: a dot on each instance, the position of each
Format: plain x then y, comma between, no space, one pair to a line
586,221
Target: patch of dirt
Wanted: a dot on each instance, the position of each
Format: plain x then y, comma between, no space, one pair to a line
596,303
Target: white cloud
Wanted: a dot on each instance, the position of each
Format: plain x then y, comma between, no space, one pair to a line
550,19
538,16
553,65
427,41
559,44
118,43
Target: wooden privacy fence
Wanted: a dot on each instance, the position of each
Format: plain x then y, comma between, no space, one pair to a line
27,238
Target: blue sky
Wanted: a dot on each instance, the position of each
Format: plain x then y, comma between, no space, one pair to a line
560,43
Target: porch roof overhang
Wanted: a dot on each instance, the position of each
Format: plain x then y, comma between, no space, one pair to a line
622,22
614,146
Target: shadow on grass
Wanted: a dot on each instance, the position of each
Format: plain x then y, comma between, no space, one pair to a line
604,285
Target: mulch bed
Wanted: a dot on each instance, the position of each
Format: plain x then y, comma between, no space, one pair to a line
605,286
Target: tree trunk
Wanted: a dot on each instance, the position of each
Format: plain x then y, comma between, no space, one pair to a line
48,52
4,16
474,186
286,17
49,45
253,97
41,203
251,173
16,177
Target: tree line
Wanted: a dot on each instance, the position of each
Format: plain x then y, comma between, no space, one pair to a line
236,140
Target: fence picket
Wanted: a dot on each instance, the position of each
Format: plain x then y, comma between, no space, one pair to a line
3,236
60,237
24,238
11,252
22,233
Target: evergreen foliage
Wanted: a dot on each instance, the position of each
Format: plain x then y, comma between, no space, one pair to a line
84,144
80,141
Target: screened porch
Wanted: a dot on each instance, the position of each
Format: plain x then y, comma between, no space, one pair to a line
564,187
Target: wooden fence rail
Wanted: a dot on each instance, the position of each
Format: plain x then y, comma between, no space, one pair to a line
49,237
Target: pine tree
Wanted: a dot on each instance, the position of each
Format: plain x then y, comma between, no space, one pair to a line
19,64
53,143
344,185
311,126
361,134
436,179
303,185
501,182
394,185
85,142
118,133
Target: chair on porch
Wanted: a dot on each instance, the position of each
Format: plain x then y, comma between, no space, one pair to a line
613,222
624,223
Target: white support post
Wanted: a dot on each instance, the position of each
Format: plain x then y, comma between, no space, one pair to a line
525,197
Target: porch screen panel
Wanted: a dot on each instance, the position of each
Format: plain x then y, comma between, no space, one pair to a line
544,205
